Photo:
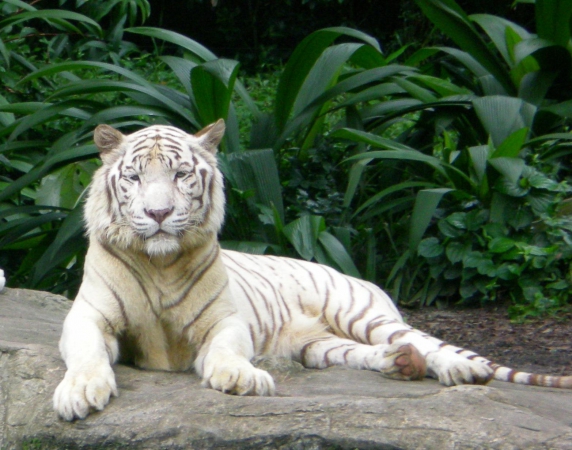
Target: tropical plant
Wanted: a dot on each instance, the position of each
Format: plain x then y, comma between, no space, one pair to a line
469,134
85,93
43,166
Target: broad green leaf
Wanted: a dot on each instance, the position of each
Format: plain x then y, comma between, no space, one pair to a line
403,155
501,116
60,188
430,248
389,108
20,4
511,168
553,20
451,19
495,27
23,108
529,47
114,113
39,171
354,177
181,68
449,230
23,145
56,14
473,259
79,65
323,74
303,234
416,91
421,55
512,145
49,112
301,63
443,87
256,170
153,95
198,50
254,248
467,60
371,139
337,252
213,84
458,220
479,156
541,203
501,245
397,151
456,251
390,190
372,93
13,231
425,205
535,85
6,118
71,228
563,109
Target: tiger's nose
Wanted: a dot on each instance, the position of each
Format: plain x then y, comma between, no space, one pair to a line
158,215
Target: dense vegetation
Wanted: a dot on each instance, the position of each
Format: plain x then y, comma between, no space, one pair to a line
439,172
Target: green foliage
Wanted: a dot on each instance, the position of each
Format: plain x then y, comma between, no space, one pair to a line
488,255
441,176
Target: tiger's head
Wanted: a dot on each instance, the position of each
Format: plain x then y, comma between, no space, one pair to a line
159,189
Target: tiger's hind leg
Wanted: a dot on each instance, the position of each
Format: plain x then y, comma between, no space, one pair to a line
450,367
370,317
402,362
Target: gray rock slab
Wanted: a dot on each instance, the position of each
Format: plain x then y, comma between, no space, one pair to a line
313,409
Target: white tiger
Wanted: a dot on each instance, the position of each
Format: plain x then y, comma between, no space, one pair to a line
157,286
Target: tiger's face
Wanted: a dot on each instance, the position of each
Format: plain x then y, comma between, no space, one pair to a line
159,188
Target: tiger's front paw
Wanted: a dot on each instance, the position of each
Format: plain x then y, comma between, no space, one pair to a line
452,369
80,391
238,376
402,362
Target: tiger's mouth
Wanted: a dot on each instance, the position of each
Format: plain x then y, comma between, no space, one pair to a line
162,243
162,235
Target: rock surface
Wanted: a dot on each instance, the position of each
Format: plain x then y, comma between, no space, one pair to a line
332,408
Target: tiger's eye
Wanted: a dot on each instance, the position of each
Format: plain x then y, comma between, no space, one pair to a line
134,177
180,174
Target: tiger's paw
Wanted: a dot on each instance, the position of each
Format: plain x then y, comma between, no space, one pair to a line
239,377
403,362
452,369
80,391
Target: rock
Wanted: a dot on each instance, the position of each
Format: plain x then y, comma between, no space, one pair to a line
313,409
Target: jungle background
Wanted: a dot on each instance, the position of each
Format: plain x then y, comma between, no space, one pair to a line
423,145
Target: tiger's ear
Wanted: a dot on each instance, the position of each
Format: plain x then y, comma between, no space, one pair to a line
108,140
211,135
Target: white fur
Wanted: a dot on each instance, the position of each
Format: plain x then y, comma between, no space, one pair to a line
155,277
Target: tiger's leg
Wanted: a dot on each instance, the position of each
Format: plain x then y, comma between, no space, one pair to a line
401,362
370,317
449,367
224,361
88,349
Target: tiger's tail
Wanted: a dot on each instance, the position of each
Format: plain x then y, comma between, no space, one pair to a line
509,375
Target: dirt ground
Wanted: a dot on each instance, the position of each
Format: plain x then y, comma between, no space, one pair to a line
542,346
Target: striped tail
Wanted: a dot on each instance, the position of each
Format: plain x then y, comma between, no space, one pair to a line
514,376
503,373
